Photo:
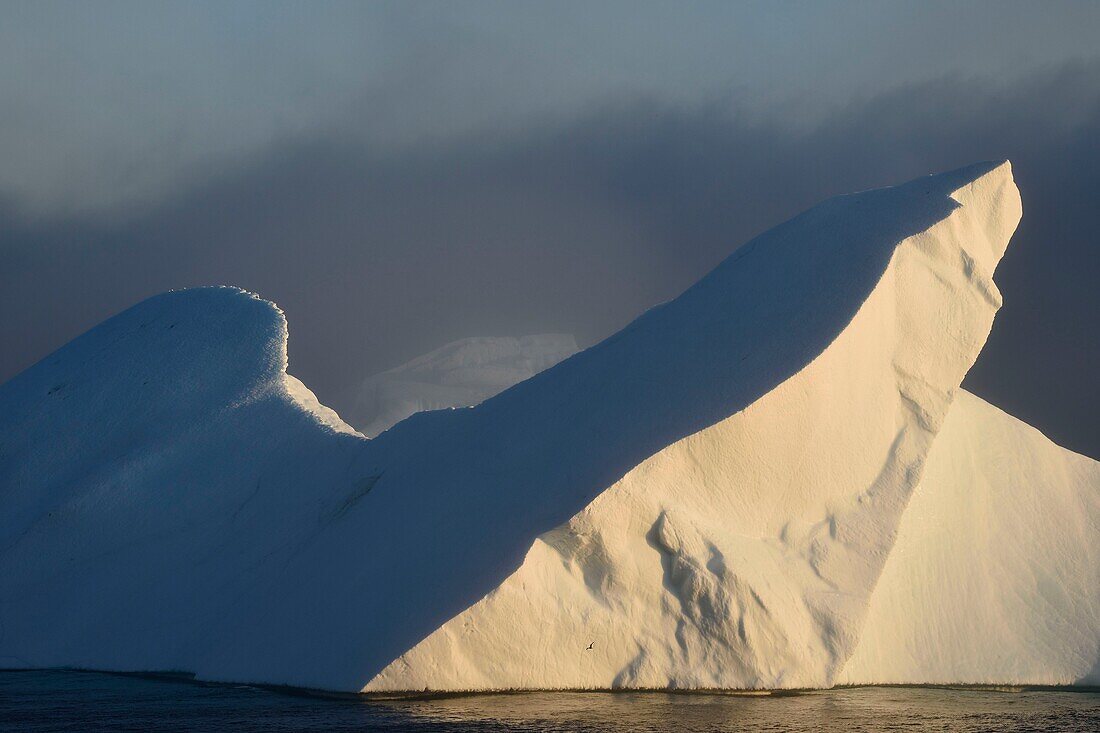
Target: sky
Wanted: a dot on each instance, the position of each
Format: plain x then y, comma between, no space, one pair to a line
398,175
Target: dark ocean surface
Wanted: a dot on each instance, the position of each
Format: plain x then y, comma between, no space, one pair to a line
85,701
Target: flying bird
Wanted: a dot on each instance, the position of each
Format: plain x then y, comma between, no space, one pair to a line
589,647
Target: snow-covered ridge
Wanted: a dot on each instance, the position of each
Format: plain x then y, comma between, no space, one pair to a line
709,498
293,387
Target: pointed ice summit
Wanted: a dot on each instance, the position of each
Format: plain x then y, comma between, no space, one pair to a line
772,480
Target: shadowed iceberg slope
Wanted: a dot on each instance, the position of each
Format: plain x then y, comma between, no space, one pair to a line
714,490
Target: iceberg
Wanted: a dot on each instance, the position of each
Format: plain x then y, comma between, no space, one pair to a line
741,489
462,373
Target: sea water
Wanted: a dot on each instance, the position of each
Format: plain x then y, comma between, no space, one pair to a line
84,701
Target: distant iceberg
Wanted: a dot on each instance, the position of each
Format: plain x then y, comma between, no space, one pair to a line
462,373
771,481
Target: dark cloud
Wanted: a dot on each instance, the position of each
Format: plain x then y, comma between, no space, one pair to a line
579,225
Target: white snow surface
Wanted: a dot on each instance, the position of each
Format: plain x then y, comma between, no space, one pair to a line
995,575
462,373
710,498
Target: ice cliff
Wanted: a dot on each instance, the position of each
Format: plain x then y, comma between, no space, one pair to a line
772,480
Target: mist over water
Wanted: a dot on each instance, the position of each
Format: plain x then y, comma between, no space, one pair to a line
41,701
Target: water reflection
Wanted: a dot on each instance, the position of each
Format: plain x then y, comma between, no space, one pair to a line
885,709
